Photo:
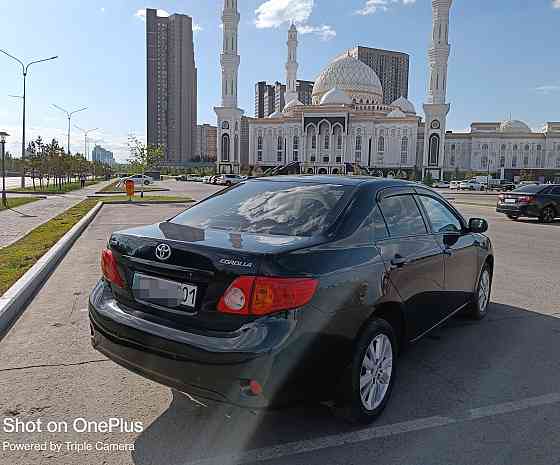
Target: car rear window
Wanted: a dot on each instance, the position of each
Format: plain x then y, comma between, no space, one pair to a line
529,189
270,207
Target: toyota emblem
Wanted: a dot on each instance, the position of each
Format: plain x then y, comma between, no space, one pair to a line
163,251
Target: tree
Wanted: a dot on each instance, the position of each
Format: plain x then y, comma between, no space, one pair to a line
428,180
143,156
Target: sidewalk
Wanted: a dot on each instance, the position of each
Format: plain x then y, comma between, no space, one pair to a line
16,223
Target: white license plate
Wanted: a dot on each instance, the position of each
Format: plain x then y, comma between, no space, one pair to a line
164,292
510,200
188,295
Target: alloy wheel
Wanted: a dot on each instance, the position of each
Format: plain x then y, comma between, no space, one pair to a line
376,371
484,291
547,215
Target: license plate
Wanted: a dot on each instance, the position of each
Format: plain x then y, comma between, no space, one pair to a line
163,292
189,295
510,200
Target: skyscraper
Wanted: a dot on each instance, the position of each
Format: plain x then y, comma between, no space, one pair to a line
391,67
304,91
172,86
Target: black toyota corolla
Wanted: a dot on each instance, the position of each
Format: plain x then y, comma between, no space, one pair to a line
290,287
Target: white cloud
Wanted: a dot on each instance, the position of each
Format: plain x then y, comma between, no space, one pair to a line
324,31
373,6
102,9
556,4
141,13
274,13
548,89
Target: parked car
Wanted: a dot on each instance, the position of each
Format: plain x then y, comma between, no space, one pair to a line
502,185
454,184
471,185
441,184
230,179
141,179
528,183
540,201
290,287
206,179
194,178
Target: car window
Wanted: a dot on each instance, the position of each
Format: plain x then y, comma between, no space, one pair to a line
268,207
529,189
441,218
555,190
373,228
402,216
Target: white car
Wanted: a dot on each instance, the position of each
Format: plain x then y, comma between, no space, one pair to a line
441,184
140,179
454,184
194,178
230,179
471,185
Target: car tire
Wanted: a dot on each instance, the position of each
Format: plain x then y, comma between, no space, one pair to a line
513,217
361,403
146,183
478,309
547,215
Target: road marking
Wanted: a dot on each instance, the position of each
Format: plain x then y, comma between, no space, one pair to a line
337,440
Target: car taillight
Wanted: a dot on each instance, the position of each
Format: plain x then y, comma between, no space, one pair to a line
525,199
250,295
109,268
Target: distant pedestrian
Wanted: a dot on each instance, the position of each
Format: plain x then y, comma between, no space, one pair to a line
82,180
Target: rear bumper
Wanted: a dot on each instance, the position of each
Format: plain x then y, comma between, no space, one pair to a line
531,211
216,367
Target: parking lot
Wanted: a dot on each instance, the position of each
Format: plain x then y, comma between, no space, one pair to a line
471,392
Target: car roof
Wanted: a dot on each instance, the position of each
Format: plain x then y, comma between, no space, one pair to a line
336,179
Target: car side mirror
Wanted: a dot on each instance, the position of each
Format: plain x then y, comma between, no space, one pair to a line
478,225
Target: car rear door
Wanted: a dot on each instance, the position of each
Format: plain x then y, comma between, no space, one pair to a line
553,198
413,258
460,249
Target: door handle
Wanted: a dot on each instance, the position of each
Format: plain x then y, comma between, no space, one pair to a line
398,261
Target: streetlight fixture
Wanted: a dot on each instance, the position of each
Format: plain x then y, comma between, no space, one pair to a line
3,136
69,116
24,68
86,134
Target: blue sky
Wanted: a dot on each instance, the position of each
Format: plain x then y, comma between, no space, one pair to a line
504,57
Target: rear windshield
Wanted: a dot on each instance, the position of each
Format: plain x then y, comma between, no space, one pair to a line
529,189
270,207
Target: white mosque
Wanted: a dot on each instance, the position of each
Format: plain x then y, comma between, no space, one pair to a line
347,126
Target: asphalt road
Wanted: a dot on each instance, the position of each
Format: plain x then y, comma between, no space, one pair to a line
473,392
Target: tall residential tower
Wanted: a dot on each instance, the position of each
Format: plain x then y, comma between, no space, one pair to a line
228,115
171,86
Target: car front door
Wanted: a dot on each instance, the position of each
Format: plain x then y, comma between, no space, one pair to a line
460,249
414,260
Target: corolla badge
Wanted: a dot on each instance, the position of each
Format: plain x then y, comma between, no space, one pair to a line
163,252
229,261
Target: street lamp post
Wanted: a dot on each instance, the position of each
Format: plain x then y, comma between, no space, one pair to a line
86,133
24,68
3,136
69,116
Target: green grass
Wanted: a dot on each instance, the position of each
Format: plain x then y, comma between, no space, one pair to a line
53,189
14,202
18,257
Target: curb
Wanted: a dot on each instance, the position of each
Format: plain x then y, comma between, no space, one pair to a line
13,302
147,202
136,192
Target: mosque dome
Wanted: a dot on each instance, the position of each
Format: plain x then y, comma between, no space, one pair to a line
396,113
514,126
404,105
351,76
335,96
291,104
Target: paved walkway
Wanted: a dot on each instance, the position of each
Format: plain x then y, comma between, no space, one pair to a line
16,223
